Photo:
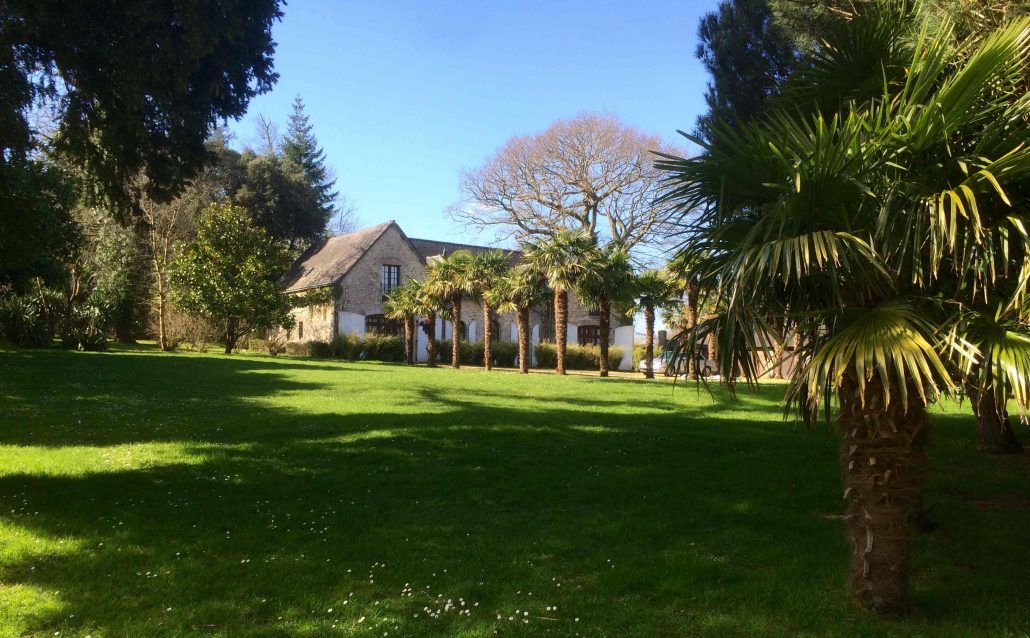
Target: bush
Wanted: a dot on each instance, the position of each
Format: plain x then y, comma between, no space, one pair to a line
295,348
383,348
86,329
319,349
347,346
470,353
577,357
505,353
24,322
191,332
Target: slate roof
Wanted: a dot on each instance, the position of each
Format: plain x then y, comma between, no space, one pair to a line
329,259
431,248
326,261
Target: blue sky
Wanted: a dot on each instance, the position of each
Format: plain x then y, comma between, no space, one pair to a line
403,95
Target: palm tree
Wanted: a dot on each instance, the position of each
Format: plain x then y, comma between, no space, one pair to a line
845,222
488,269
562,259
428,304
655,289
518,291
402,304
608,281
452,278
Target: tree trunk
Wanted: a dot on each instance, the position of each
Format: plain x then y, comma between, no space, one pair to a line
162,312
431,340
488,337
993,427
561,328
456,332
409,340
649,341
603,325
522,319
883,466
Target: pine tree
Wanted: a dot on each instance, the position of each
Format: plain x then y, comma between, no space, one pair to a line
301,147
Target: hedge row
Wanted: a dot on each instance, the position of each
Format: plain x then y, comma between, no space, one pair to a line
505,353
577,357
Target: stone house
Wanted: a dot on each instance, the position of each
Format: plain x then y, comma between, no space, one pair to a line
363,266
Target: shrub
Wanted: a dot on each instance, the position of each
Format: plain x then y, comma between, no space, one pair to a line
86,329
24,322
577,357
470,353
295,348
190,332
348,346
383,348
319,349
505,353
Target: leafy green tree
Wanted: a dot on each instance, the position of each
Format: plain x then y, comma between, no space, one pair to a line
230,274
37,232
845,224
747,56
519,290
301,147
655,289
114,115
453,278
489,269
145,104
278,195
608,280
562,259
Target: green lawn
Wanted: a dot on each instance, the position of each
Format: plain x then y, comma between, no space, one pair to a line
144,494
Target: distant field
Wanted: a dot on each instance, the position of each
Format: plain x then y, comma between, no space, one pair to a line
146,494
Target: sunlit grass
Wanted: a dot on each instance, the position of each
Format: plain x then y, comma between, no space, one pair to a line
144,494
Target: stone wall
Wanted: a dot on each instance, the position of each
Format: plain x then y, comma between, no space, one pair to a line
362,292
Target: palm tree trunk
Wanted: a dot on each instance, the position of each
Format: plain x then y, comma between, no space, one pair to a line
649,341
522,319
488,337
456,332
993,428
604,324
561,328
409,338
431,340
884,464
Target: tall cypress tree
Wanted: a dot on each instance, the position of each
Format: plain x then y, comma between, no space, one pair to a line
301,147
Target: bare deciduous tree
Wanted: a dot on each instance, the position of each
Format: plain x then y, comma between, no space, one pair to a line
591,172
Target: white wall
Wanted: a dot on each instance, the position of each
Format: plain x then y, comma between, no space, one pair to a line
624,339
420,344
351,322
572,334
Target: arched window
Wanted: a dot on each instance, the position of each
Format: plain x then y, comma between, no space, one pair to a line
447,330
495,327
589,335
380,325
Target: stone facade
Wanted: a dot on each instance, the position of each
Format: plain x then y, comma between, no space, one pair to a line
360,301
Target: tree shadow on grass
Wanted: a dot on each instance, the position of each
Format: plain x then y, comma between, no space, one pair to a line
665,523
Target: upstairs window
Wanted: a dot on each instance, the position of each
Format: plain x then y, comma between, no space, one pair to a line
391,278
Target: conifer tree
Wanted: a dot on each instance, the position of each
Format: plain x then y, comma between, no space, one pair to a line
301,147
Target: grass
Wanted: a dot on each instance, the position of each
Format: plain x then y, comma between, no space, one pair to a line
145,494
